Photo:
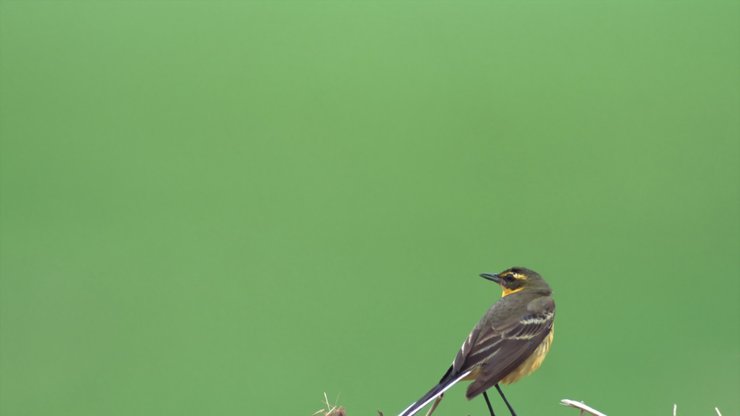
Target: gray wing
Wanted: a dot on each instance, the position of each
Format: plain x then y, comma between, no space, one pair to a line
503,340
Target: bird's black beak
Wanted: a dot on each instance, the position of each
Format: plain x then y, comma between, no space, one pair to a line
492,277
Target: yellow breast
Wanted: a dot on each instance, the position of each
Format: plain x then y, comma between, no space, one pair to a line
533,362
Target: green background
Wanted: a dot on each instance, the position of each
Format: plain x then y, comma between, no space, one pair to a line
229,208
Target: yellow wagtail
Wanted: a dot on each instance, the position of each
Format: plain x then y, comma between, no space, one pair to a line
509,342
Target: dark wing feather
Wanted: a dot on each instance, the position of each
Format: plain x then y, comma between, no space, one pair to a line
505,340
509,332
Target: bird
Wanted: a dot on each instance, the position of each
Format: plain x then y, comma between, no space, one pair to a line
509,342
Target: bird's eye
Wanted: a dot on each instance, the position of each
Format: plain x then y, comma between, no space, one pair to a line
509,278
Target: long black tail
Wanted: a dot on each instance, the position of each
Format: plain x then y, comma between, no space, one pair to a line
432,394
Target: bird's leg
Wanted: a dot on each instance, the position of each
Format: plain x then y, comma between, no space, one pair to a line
513,413
488,402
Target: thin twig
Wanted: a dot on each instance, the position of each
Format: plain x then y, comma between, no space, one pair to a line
331,410
435,404
582,407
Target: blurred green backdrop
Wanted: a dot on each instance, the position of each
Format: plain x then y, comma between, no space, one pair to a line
229,208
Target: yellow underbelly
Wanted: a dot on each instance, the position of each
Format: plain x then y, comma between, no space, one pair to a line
533,362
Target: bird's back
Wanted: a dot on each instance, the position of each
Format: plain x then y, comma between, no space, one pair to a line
510,333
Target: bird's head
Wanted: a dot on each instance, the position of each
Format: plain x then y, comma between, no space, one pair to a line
516,279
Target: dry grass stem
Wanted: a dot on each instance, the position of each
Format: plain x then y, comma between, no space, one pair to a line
330,410
434,405
581,406
336,410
